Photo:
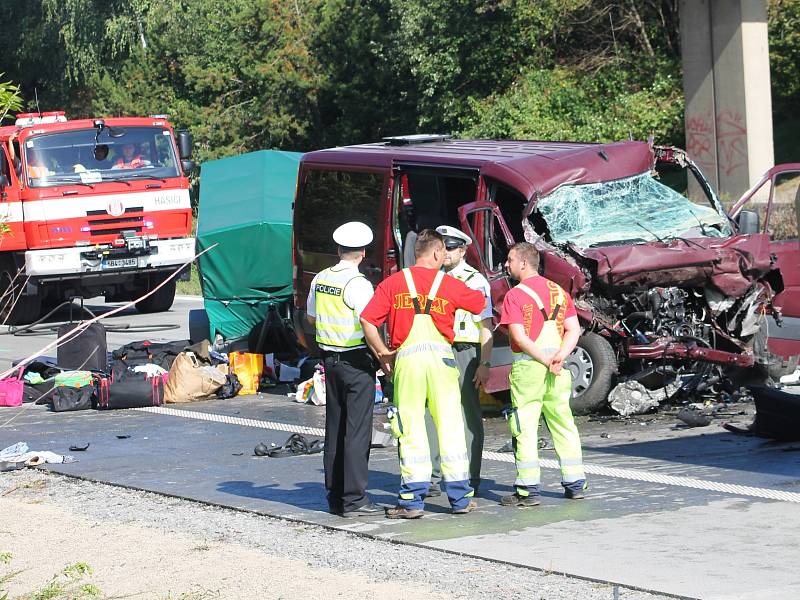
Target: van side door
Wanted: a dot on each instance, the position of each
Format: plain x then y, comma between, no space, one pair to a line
776,201
491,241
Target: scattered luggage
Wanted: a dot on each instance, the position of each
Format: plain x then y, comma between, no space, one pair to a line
11,390
86,350
139,353
248,367
134,390
230,388
190,379
65,398
72,390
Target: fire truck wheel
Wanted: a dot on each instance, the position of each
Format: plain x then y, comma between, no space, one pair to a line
160,301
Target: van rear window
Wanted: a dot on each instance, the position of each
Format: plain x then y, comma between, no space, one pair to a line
331,198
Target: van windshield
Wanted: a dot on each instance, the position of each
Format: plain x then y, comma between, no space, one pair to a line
73,157
631,210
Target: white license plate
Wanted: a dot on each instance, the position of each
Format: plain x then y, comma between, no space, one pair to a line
117,263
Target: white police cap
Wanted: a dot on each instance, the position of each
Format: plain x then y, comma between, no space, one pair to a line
354,234
457,237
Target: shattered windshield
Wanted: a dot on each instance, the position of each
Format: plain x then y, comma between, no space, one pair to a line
84,157
631,210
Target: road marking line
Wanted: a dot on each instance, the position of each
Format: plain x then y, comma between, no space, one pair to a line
547,463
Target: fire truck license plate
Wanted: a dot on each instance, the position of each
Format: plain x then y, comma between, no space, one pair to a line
117,263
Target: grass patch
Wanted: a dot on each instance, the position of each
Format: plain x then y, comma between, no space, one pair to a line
68,584
191,287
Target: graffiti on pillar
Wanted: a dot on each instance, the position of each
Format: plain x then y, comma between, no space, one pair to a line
732,141
700,140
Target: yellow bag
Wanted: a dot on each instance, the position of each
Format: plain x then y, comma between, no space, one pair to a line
248,368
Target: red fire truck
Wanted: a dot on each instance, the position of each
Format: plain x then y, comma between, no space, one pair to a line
91,207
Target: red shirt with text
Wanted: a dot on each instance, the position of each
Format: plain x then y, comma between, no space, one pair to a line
392,301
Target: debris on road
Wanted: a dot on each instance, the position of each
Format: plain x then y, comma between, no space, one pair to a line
694,417
632,398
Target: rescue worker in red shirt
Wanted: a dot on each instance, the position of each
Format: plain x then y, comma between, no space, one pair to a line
420,303
131,158
543,327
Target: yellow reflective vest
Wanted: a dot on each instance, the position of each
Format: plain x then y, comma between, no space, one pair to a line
337,324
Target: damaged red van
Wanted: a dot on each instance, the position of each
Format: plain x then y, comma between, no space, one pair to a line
667,286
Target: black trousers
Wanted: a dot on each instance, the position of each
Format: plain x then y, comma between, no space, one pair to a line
349,400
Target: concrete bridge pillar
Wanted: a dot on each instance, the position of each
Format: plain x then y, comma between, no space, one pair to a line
726,84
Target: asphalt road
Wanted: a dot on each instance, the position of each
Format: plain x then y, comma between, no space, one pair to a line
694,512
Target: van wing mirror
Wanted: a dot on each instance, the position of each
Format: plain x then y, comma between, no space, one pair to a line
185,144
747,222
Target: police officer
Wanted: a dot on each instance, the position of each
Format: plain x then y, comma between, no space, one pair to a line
337,297
420,303
473,350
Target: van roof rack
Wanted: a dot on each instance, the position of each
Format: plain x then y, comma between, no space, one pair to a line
420,138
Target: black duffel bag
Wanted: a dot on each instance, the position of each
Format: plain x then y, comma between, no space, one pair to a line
66,398
86,351
134,390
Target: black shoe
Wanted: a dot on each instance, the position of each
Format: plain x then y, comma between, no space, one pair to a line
433,491
367,510
520,501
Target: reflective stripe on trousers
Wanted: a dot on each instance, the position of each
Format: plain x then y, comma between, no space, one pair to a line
536,391
425,373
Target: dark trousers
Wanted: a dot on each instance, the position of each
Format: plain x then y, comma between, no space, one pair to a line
467,360
349,400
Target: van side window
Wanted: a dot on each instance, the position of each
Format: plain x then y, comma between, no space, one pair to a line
331,198
511,204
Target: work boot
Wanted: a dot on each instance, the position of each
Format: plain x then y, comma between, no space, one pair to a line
575,490
401,512
520,501
434,490
471,505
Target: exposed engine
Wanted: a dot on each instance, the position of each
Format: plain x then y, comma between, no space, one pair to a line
665,312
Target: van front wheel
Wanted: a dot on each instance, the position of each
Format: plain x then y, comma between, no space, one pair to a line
593,365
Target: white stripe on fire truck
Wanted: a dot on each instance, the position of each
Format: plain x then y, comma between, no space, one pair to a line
10,212
72,207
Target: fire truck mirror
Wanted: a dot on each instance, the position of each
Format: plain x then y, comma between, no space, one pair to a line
185,144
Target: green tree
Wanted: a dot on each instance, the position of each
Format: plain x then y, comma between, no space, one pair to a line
239,74
9,98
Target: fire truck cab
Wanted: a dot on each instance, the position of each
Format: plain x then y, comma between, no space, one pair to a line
91,207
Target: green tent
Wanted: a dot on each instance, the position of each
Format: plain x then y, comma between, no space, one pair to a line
246,208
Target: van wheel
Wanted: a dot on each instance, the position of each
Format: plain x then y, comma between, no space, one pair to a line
160,301
16,309
593,365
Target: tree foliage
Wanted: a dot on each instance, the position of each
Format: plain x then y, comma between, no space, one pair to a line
301,74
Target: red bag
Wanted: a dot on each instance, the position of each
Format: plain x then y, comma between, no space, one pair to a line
11,390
